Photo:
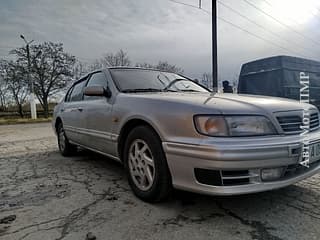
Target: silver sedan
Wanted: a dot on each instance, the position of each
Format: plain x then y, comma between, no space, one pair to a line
169,131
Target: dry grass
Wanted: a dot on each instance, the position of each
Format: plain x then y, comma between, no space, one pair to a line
23,120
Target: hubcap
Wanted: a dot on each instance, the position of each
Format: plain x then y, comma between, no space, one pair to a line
61,140
141,164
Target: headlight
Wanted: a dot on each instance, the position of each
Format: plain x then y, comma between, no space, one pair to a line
234,125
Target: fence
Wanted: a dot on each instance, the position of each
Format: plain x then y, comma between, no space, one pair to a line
27,114
12,111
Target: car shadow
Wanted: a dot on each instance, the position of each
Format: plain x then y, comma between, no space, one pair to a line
289,195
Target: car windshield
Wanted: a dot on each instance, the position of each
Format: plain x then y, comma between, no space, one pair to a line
139,80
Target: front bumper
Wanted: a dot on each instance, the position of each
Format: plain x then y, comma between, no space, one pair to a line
241,159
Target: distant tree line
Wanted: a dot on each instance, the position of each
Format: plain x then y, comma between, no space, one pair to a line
52,70
121,58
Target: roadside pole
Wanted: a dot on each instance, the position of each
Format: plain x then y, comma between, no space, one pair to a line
214,48
33,106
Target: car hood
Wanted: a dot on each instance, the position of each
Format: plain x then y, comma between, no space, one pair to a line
228,103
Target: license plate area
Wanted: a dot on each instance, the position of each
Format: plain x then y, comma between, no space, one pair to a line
314,152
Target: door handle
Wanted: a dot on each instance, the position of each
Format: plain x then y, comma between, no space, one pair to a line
80,109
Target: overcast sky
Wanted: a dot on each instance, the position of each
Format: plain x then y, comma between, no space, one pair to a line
153,30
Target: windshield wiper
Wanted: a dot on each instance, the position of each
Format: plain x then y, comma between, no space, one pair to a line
173,82
135,90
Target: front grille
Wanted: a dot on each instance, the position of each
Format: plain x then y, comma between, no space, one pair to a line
291,124
314,121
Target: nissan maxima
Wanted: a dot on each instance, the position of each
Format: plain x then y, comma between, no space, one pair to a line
170,132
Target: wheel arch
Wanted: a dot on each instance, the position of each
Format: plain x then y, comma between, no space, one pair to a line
128,127
57,122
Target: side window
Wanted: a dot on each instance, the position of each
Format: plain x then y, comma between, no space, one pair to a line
97,79
77,92
67,98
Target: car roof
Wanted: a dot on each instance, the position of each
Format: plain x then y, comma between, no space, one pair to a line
120,68
137,68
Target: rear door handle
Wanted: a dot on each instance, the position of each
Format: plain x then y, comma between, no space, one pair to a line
80,109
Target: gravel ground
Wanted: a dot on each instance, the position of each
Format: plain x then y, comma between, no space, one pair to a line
46,196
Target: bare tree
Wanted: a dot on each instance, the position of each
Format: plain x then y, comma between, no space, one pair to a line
120,58
97,64
206,80
79,70
52,69
145,65
13,75
163,66
3,94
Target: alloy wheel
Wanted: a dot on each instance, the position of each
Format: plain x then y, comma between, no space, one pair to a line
141,164
62,140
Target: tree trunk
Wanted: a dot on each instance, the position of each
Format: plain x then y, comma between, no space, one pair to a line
45,106
3,104
20,110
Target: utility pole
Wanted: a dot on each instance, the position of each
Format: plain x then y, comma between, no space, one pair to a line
214,42
214,47
33,106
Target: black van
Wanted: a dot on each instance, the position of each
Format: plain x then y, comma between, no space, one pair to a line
280,77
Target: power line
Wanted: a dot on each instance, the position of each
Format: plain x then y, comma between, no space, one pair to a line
271,5
190,5
262,27
315,15
259,37
280,22
309,10
186,4
246,31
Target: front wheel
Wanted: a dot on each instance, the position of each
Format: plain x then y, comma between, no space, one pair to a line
146,165
65,147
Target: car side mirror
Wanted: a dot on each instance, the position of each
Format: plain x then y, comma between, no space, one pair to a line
97,91
107,92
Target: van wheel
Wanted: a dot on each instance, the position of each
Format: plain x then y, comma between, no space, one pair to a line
65,147
146,165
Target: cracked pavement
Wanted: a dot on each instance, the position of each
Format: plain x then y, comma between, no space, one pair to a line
46,196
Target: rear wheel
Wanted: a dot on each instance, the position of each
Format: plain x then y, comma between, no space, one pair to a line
146,165
65,147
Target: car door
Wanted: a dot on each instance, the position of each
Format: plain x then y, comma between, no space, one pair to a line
72,113
98,117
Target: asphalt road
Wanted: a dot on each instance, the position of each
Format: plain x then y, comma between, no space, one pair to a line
46,196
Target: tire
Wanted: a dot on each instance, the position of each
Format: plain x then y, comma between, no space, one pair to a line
143,145
65,147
